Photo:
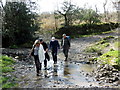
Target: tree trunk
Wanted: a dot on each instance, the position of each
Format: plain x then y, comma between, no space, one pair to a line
66,20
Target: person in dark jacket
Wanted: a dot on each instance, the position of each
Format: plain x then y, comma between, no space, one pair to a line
65,44
46,52
54,46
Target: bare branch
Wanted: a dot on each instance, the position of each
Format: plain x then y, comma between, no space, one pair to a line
1,4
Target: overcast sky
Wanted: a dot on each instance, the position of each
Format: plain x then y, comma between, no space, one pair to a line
51,5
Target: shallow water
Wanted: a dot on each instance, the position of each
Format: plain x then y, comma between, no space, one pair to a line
63,74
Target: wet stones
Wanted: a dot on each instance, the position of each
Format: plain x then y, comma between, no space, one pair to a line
18,54
107,73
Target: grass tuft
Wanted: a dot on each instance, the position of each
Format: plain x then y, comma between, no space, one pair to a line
6,63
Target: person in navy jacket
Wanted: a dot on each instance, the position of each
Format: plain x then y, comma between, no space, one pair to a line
54,46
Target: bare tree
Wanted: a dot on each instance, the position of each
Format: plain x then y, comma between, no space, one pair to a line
67,12
96,9
1,22
105,11
1,14
117,7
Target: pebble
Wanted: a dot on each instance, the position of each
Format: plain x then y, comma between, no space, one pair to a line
103,74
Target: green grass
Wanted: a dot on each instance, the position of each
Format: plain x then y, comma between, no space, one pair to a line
108,32
7,67
108,37
96,34
111,58
117,44
3,79
93,49
6,60
100,45
8,85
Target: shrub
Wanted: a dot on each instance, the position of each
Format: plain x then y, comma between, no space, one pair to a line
13,46
85,29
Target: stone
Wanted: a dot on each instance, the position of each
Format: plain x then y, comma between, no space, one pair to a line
16,57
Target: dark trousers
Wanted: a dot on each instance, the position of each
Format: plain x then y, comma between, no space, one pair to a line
37,63
54,55
65,51
46,58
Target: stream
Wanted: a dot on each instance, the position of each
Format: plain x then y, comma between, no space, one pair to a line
63,74
74,73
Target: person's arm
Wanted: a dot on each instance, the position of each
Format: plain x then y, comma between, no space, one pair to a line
68,42
49,46
61,42
30,54
58,45
46,47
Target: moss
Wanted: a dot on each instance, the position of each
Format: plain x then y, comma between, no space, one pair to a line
93,49
101,42
108,37
110,57
93,59
112,49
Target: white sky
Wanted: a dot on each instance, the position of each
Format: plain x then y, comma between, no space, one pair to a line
51,5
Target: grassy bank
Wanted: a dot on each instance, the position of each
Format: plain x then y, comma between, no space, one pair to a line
99,46
6,78
107,51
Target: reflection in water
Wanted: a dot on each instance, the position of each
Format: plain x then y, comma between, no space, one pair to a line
87,68
45,73
66,69
55,70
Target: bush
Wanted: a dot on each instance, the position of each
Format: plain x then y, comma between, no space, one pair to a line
85,29
13,46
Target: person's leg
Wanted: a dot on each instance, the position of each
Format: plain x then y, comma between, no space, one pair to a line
64,51
37,63
47,56
55,59
45,61
66,54
55,56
